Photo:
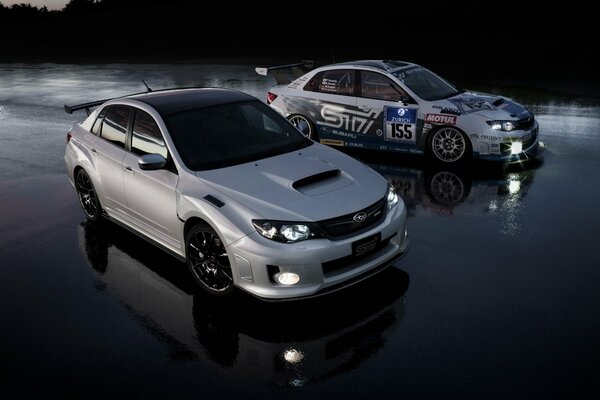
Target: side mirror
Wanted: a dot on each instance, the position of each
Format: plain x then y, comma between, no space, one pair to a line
404,99
151,162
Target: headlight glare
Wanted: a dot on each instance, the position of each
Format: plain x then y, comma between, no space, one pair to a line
293,233
392,197
505,126
266,229
286,232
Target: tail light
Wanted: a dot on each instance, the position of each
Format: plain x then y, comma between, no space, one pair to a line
69,136
271,97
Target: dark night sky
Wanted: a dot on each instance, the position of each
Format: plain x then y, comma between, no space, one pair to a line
482,33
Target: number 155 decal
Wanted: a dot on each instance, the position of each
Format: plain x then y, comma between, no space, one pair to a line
400,124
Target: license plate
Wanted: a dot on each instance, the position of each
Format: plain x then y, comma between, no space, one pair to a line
365,246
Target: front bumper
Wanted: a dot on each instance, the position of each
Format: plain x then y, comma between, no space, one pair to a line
492,145
254,258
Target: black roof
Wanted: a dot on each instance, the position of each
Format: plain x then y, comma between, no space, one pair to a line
173,101
385,65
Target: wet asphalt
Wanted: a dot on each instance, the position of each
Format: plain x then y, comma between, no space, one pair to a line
498,297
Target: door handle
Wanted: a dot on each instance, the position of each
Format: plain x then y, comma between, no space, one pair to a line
129,169
94,151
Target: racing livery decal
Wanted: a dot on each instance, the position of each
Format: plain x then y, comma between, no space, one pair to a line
440,119
446,110
337,102
401,124
331,142
471,104
336,116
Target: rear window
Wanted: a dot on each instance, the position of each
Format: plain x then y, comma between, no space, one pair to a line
114,126
338,81
98,123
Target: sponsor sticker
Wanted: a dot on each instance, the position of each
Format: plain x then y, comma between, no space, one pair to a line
331,142
400,124
445,110
441,119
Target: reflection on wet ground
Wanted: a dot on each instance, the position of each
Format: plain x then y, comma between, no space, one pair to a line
284,344
497,297
478,188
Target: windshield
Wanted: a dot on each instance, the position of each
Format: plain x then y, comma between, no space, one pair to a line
231,134
425,83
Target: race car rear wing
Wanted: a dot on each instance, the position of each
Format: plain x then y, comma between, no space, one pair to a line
92,104
279,71
84,106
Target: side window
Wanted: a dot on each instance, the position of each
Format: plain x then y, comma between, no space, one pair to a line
377,86
114,126
98,123
147,138
338,81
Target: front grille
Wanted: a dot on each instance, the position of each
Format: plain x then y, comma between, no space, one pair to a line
334,265
525,124
339,227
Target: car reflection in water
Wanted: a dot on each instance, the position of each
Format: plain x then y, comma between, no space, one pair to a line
282,344
474,189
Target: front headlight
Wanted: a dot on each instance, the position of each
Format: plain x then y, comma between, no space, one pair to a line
392,197
505,126
286,232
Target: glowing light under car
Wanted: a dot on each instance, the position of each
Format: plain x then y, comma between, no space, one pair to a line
516,147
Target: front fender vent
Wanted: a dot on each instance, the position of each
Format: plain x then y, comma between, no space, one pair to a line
214,201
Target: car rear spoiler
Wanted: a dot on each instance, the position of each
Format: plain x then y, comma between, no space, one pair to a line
92,104
297,70
84,106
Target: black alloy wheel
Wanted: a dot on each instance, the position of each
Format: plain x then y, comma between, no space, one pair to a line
207,260
87,196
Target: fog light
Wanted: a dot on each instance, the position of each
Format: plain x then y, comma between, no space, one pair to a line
293,356
287,278
516,147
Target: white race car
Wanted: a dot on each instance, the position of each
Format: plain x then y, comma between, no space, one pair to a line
403,107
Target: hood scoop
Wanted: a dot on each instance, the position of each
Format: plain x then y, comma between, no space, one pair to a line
323,182
316,178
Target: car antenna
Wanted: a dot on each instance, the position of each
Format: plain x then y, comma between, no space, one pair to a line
147,87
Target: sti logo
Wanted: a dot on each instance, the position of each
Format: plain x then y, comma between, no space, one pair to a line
440,119
350,120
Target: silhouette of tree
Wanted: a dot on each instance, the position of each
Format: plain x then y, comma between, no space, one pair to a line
75,7
24,11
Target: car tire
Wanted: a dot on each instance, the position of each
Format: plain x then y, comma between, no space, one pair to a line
296,119
449,145
207,260
88,198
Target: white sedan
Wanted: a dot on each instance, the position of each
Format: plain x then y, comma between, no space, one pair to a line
221,181
403,107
